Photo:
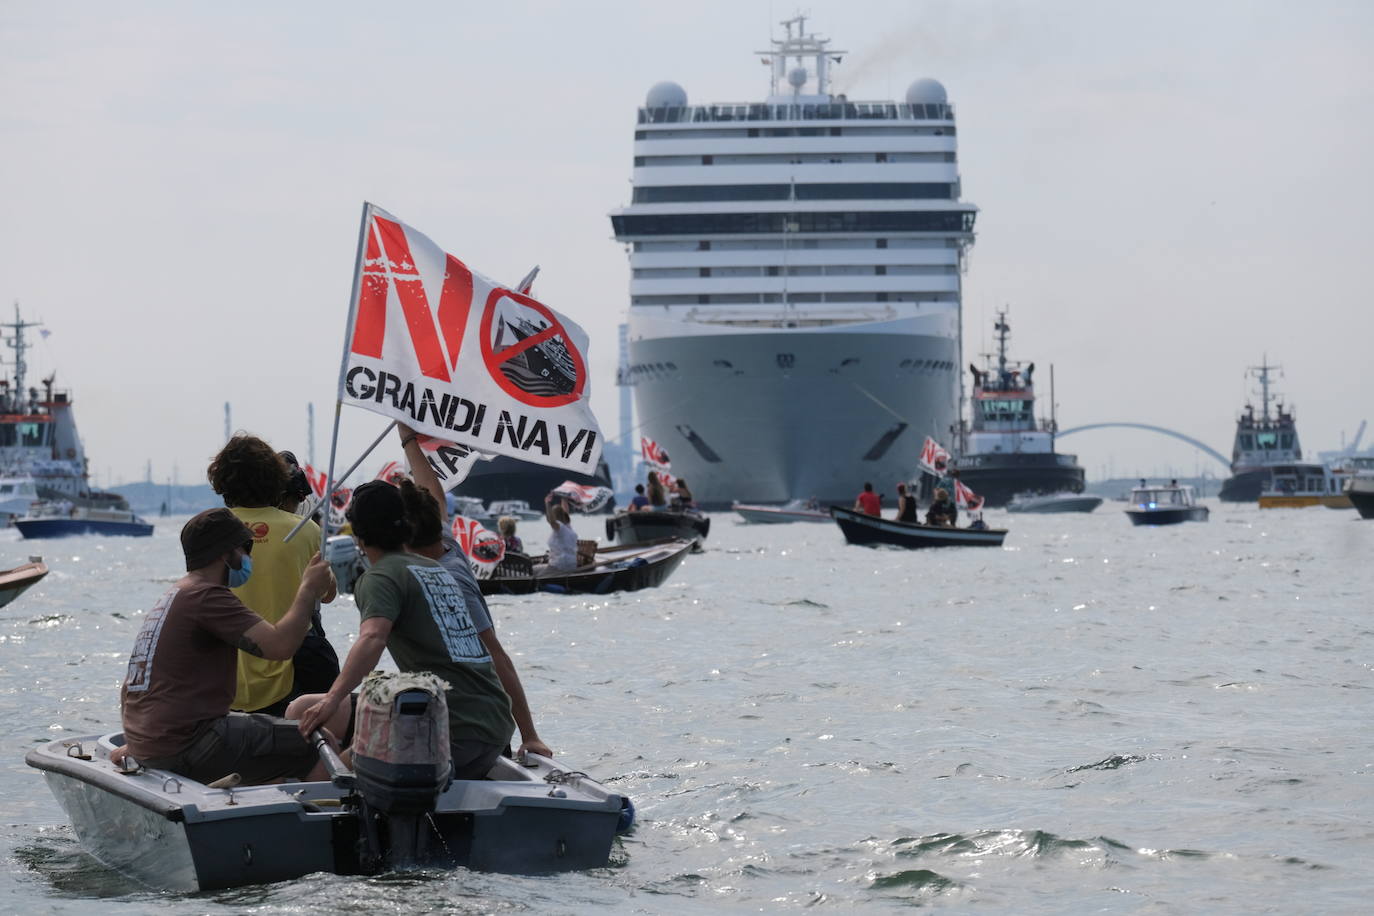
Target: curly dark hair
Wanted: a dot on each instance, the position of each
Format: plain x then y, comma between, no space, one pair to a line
422,512
247,472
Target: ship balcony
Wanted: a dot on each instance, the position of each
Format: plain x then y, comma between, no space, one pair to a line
802,174
779,115
709,286
656,145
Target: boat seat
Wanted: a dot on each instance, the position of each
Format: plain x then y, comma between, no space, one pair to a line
514,565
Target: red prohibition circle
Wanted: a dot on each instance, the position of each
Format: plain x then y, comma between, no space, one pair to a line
494,360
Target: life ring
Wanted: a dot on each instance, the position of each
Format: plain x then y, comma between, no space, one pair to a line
71,453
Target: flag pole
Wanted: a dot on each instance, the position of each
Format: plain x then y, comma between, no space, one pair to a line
343,368
331,490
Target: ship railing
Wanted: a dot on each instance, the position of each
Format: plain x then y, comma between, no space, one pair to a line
823,111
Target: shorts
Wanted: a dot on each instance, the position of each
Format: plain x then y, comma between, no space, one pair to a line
473,759
259,748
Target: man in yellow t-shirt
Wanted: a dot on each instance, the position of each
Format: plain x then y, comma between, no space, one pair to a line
252,479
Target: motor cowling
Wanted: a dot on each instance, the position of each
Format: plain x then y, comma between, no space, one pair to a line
400,746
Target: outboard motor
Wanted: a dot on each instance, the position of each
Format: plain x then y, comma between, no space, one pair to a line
401,763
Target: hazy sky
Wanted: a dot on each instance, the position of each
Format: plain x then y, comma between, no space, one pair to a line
1168,191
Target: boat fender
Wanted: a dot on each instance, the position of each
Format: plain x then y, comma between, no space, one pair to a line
627,815
610,529
555,589
638,561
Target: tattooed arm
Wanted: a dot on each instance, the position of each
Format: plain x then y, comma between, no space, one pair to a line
281,640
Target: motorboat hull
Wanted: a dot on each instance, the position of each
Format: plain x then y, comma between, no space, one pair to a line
179,835
866,530
1362,499
779,515
617,569
647,525
40,528
1057,502
1167,515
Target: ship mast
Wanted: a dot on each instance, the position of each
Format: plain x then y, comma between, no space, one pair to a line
1261,372
17,344
800,47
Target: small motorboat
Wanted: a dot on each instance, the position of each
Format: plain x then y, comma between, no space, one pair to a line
517,509
14,582
58,520
860,528
798,510
1161,505
626,568
645,525
397,810
1053,502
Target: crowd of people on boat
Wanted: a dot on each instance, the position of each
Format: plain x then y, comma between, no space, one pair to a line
658,495
943,511
232,671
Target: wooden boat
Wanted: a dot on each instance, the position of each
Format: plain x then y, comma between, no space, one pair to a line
1163,505
645,525
626,568
860,528
1042,503
14,582
798,510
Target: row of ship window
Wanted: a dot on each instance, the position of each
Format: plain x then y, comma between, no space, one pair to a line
882,111
793,298
776,270
848,221
942,190
790,159
789,361
807,244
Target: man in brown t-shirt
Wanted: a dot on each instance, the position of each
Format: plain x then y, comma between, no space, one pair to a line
181,676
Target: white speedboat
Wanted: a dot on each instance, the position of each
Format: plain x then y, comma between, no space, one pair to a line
1161,505
798,510
17,494
515,508
14,582
1054,502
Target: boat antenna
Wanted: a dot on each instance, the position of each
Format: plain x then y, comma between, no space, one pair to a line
1261,372
17,344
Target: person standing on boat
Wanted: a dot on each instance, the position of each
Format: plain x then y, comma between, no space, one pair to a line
253,480
412,607
182,672
430,537
906,505
868,502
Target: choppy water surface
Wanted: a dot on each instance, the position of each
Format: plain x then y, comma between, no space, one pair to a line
1096,717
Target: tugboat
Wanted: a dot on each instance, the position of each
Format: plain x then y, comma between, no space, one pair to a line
39,443
1261,442
1007,452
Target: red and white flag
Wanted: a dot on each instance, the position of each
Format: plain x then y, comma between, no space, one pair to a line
316,481
653,453
934,459
390,470
450,461
965,498
584,497
459,357
484,548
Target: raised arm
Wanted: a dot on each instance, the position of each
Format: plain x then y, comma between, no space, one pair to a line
420,471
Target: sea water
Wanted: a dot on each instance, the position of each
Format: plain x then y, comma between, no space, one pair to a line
1094,717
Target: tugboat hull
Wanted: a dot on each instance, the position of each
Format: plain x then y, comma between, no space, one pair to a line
1244,487
999,478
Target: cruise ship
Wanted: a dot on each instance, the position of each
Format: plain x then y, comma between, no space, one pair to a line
795,293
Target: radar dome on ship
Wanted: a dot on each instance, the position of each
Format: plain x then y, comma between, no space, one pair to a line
666,94
926,91
797,77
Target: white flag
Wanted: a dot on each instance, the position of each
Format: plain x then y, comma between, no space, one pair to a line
456,356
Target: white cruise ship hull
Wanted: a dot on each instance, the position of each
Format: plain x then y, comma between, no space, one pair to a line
782,414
